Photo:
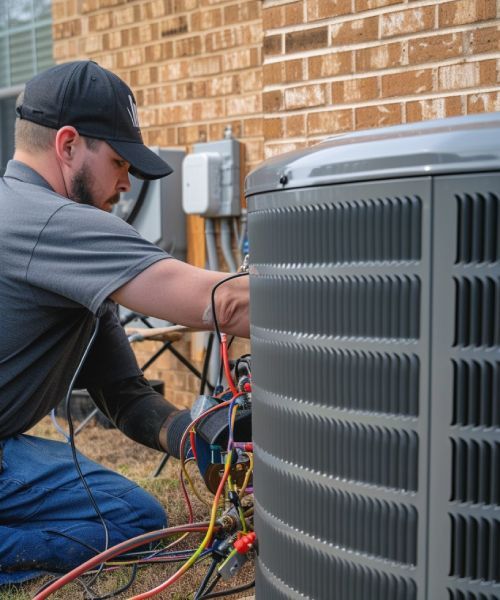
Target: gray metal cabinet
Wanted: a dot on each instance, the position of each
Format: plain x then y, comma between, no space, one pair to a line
375,321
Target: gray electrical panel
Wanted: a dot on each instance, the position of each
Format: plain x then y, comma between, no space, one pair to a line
160,219
375,320
158,214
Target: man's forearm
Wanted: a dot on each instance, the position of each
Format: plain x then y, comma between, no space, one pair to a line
181,293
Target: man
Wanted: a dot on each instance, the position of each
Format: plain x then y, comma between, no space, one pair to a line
65,262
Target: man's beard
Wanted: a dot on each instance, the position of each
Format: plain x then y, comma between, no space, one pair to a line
81,189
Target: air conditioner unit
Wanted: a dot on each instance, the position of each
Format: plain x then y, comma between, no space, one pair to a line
375,294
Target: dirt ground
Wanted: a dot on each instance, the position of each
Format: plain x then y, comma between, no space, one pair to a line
114,450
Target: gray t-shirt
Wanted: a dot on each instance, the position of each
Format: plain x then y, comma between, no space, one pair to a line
59,261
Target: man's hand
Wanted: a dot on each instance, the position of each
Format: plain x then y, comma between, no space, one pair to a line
180,293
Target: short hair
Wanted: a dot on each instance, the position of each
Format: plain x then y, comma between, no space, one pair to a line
34,138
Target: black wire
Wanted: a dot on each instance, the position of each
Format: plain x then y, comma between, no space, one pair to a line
73,539
214,289
72,442
124,588
212,585
206,579
222,593
206,362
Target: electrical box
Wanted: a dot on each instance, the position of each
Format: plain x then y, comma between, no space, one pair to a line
205,192
160,219
201,183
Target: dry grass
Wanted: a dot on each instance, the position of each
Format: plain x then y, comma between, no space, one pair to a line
112,449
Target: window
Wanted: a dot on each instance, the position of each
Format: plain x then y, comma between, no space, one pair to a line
25,49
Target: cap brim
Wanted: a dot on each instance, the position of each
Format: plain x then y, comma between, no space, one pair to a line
144,163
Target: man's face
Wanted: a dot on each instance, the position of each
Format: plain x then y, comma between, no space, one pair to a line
100,178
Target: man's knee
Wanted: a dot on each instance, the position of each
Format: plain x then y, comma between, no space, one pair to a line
149,513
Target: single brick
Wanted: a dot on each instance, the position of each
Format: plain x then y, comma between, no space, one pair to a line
190,46
211,109
330,65
305,96
249,81
486,39
243,105
272,45
241,59
206,19
293,71
281,16
295,126
460,12
486,102
220,86
434,108
273,73
126,16
309,39
435,48
378,116
488,72
409,82
67,29
273,129
242,11
352,32
325,9
254,150
93,43
253,127
353,90
385,56
272,101
458,76
329,122
174,26
178,69
407,21
99,22
185,91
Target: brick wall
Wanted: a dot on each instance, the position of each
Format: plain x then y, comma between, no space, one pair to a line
284,73
339,65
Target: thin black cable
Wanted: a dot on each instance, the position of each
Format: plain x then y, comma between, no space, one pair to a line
73,539
206,579
214,289
124,588
223,593
71,428
215,581
204,372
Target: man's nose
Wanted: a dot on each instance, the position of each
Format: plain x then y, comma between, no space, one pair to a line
124,183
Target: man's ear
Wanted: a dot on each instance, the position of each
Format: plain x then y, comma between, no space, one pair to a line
66,143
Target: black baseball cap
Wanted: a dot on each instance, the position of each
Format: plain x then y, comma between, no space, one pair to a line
98,104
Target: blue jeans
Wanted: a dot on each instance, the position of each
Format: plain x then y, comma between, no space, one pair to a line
42,498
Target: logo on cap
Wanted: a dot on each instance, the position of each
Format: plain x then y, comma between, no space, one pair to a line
132,112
